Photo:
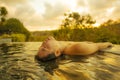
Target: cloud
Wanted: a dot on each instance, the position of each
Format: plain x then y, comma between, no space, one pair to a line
13,2
49,13
54,11
102,4
81,3
24,12
95,6
27,11
100,10
116,12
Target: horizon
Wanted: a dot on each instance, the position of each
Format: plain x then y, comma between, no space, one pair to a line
39,15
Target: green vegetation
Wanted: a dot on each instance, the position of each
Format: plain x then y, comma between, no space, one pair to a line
74,21
3,13
40,35
15,37
5,36
12,27
18,37
108,31
79,28
74,27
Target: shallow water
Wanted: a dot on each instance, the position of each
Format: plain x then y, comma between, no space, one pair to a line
17,62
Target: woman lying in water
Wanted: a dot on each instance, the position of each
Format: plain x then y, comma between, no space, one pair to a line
51,48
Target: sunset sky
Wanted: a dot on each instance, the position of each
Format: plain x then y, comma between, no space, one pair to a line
48,14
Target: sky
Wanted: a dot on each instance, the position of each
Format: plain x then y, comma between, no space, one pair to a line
37,15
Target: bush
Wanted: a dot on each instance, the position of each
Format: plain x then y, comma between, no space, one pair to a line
18,37
5,36
14,26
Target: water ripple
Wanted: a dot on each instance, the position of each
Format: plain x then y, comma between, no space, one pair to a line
18,62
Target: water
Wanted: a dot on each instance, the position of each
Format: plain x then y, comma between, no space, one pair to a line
18,62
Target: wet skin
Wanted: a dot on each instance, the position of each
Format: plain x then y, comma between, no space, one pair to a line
51,46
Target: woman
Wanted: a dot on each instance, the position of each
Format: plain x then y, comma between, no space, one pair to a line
52,48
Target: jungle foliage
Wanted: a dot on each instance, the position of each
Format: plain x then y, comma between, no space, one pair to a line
80,28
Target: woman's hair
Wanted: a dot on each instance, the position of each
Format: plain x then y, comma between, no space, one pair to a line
47,58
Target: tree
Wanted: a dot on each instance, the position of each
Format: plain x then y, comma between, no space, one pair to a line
3,13
112,29
75,20
13,25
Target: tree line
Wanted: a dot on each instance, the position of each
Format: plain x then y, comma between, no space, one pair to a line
74,27
12,27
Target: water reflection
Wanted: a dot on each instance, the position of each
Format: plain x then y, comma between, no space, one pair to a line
18,62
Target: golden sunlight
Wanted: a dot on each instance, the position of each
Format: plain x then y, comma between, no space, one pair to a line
96,25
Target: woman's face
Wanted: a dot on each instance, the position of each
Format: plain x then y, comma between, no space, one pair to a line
49,46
